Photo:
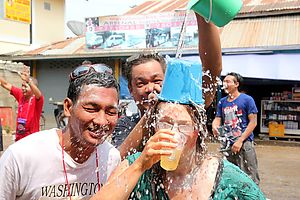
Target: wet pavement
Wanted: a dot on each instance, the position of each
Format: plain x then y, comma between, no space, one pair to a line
279,167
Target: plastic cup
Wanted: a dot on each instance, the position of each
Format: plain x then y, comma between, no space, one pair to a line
170,163
219,12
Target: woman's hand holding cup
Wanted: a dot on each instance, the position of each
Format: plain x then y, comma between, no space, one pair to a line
162,143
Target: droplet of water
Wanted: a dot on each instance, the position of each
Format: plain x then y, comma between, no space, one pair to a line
97,169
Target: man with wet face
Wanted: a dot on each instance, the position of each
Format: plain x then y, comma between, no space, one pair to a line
73,162
145,74
235,121
30,104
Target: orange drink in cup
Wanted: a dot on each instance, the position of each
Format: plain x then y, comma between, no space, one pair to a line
170,163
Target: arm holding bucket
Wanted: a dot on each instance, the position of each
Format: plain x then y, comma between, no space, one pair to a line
211,57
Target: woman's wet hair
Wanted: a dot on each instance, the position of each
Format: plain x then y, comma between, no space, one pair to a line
105,80
199,118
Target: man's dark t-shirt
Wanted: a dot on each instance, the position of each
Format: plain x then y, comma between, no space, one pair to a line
124,126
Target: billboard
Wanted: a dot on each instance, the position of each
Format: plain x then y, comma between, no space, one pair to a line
140,31
18,10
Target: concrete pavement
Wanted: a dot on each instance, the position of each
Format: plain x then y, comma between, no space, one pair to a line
279,168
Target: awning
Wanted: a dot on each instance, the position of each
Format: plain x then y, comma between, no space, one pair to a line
264,66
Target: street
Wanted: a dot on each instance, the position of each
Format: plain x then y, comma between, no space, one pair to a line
279,167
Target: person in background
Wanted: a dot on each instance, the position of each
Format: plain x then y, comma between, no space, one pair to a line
30,104
145,74
74,162
235,121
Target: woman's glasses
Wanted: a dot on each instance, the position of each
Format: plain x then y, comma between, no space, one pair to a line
182,128
86,69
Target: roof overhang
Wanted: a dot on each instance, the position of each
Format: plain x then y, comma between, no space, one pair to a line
266,13
277,66
171,51
95,53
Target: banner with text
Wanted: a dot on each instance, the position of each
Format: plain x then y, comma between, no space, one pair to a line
18,10
140,31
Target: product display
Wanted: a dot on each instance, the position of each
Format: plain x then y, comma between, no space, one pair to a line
278,113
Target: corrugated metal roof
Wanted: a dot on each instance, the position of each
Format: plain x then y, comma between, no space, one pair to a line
262,32
252,7
157,6
269,5
70,45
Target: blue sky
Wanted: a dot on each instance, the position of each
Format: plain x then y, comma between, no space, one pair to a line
79,9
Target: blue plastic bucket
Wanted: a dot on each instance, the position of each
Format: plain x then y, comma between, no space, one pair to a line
183,82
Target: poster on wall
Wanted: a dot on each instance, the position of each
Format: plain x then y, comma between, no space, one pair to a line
18,10
158,30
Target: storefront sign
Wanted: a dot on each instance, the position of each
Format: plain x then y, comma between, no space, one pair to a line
140,31
18,10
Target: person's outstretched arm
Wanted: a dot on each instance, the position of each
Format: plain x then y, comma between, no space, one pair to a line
121,183
125,177
37,93
25,76
211,57
5,84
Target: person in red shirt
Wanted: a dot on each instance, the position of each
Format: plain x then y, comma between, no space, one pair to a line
30,104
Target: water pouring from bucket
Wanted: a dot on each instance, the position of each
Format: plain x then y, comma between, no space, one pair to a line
182,84
219,12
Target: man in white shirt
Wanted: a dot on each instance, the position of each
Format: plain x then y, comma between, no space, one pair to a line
75,162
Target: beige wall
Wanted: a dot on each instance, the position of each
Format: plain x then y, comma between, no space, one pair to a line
48,25
6,47
13,35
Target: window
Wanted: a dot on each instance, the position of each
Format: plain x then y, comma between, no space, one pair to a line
47,6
